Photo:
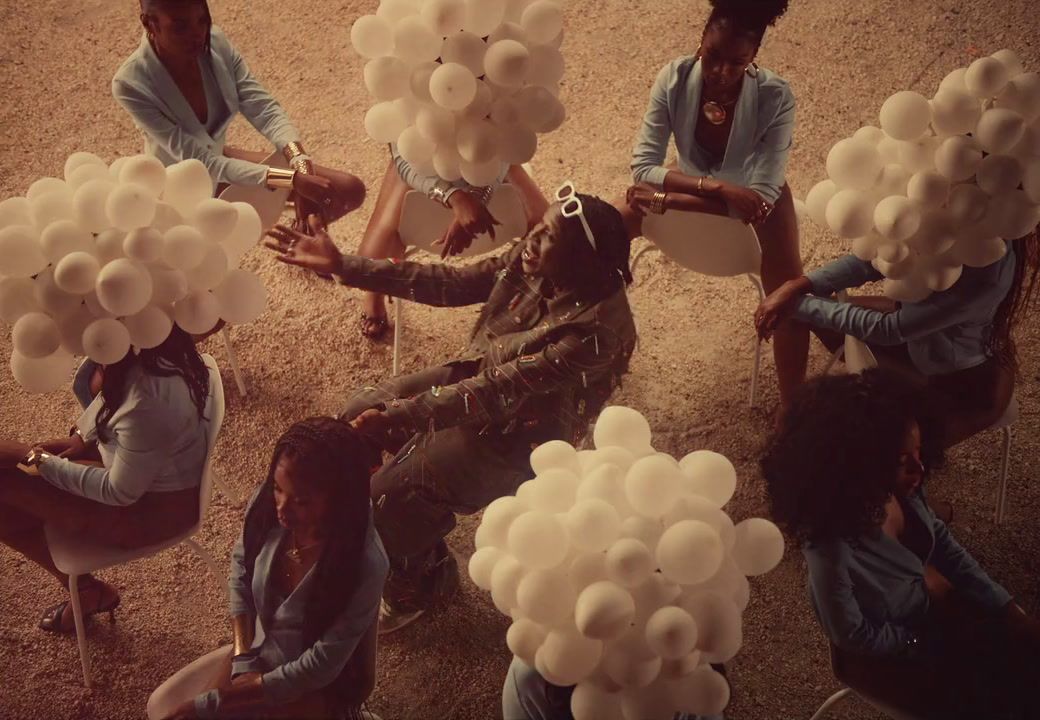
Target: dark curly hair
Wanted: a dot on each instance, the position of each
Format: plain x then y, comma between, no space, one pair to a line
1001,343
600,272
338,461
832,464
746,17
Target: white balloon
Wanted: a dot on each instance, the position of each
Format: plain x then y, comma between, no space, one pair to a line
905,115
90,301
542,20
480,106
508,31
546,66
630,662
117,166
385,121
480,174
184,247
393,10
76,273
553,491
893,252
888,149
869,134
866,247
540,110
671,633
419,80
629,562
703,692
689,552
958,158
605,482
130,206
523,639
759,547
553,455
710,475
447,163
622,427
215,218
124,287
15,211
505,579
967,203
999,174
719,627
477,141
166,217
850,213
85,173
545,596
1031,180
481,564
145,170
497,518
466,49
63,237
51,298
46,186
35,335
955,112
168,285
78,160
436,124
999,130
144,245
538,540
569,656
42,375
604,610
893,180
940,278
593,524
1022,95
986,77
817,199
1012,215
896,218
211,271
415,41
51,206
106,341
507,63
905,289
853,164
20,252
652,485
928,189
1011,61
17,297
372,36
446,17
590,701
414,148
241,296
248,230
936,234
481,17
187,184
917,155
89,202
386,77
148,328
646,530
1029,145
197,312
452,86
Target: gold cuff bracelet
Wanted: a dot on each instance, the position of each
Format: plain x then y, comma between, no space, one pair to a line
279,178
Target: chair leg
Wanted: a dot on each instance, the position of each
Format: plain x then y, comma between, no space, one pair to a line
1005,462
210,563
639,256
233,359
225,490
398,314
755,370
81,631
831,702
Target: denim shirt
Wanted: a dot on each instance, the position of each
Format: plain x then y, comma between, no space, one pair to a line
946,332
290,669
144,88
759,141
869,594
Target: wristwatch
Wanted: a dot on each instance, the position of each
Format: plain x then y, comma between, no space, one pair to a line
35,457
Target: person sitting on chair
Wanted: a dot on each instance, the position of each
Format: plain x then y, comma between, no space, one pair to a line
732,123
959,342
148,426
551,344
471,218
914,621
184,85
306,578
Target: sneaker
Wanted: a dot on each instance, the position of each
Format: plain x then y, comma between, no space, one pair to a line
391,621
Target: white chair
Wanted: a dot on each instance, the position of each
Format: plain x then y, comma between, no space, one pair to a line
269,205
423,221
877,704
710,245
75,556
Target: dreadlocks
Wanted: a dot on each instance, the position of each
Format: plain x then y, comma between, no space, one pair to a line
337,461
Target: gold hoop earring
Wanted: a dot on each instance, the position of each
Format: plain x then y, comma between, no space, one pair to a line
697,55
752,70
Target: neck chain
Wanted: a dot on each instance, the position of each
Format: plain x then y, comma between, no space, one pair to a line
295,553
715,111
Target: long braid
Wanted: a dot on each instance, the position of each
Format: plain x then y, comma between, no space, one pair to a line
1001,344
600,272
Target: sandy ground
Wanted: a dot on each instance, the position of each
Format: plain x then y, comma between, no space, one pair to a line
690,375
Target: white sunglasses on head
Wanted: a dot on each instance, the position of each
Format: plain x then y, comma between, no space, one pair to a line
570,206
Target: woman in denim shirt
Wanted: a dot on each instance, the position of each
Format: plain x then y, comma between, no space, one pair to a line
732,123
306,580
912,618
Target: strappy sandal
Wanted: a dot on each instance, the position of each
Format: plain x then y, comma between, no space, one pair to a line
52,616
374,327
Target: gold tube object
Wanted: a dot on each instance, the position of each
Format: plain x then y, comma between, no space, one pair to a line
279,178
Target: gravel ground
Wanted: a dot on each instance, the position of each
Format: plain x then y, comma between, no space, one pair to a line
690,375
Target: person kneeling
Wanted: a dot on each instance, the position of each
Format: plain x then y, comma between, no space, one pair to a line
306,578
555,335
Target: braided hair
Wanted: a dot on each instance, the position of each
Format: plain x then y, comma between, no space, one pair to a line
749,18
150,7
176,355
599,272
1001,342
338,462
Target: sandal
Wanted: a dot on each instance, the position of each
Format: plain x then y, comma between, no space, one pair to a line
374,327
52,616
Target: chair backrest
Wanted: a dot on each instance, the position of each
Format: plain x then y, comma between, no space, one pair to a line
269,204
215,415
884,706
423,221
858,356
705,243
358,678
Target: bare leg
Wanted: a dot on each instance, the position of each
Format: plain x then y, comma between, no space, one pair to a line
531,195
381,240
781,262
633,222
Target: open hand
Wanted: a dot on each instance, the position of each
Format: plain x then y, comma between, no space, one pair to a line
745,202
314,252
772,311
456,240
471,214
373,423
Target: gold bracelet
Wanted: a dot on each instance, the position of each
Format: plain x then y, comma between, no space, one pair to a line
304,167
279,178
657,202
292,150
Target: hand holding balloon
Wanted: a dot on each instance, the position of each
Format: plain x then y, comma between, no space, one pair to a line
314,252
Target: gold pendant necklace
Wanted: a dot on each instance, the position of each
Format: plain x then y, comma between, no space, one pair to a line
295,553
714,112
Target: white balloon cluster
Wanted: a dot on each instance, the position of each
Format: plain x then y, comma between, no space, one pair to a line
622,574
463,87
943,182
112,256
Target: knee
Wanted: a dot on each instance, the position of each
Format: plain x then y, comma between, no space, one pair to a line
350,191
